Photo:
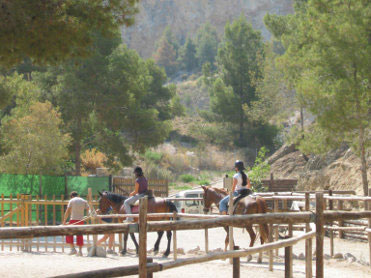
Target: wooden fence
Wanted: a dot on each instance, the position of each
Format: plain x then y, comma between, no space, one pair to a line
122,185
280,185
143,268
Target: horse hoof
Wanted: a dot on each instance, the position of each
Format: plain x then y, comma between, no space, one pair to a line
165,255
123,252
249,258
155,252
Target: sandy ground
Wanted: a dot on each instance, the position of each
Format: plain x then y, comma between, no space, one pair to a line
19,264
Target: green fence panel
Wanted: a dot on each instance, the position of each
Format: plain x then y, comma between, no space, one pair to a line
81,184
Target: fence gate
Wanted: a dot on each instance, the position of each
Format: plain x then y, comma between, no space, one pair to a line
124,186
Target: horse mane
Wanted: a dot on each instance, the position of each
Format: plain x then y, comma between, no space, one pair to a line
114,197
220,190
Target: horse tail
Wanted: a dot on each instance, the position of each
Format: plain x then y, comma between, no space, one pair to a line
171,206
264,230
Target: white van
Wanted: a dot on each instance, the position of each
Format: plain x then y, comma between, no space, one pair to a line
191,206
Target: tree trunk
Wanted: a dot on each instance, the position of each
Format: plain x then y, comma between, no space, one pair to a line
78,149
302,121
363,161
241,126
77,158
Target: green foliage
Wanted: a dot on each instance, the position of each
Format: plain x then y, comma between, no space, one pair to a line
166,54
259,171
330,70
33,142
239,59
140,105
207,45
187,56
153,156
51,31
187,178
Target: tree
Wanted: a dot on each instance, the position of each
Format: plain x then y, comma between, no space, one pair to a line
51,31
335,82
239,57
206,45
74,86
167,52
33,142
187,56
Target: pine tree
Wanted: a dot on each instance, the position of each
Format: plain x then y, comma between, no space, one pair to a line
187,56
51,31
240,59
206,45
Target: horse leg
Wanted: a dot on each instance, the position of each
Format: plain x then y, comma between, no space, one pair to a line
123,251
157,244
135,242
226,239
168,235
252,234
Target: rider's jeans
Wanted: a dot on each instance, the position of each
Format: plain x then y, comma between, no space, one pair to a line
223,204
131,201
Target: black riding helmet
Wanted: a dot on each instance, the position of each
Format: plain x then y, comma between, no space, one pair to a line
239,165
138,170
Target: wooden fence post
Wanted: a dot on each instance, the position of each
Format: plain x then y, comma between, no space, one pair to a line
369,226
110,183
95,237
207,240
143,203
175,249
228,184
276,209
270,251
331,207
236,264
340,222
149,261
308,242
271,183
319,234
288,257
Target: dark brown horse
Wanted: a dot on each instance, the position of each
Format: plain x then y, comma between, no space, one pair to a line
247,205
155,205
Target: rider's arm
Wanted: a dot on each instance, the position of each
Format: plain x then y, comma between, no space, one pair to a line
234,184
136,189
66,214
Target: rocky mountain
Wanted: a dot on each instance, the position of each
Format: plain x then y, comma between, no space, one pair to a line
339,169
186,16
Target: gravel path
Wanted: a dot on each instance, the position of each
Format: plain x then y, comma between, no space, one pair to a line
19,264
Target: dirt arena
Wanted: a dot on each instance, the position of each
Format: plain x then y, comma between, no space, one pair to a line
19,264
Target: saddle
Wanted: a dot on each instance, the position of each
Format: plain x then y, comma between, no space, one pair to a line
153,202
242,194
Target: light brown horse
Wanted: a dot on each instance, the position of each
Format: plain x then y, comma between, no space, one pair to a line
247,205
155,205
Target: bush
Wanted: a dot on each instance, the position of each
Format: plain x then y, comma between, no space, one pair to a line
203,182
91,160
187,178
153,156
155,171
259,171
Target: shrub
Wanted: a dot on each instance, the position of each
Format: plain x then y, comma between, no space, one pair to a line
187,178
155,171
91,160
259,171
153,156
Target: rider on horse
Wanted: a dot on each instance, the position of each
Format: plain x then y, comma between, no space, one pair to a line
241,186
141,189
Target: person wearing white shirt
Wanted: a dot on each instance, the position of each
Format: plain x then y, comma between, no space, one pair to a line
240,182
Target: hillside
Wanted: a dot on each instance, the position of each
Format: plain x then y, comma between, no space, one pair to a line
186,16
337,170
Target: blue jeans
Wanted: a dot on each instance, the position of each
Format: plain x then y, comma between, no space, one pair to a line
131,201
224,202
